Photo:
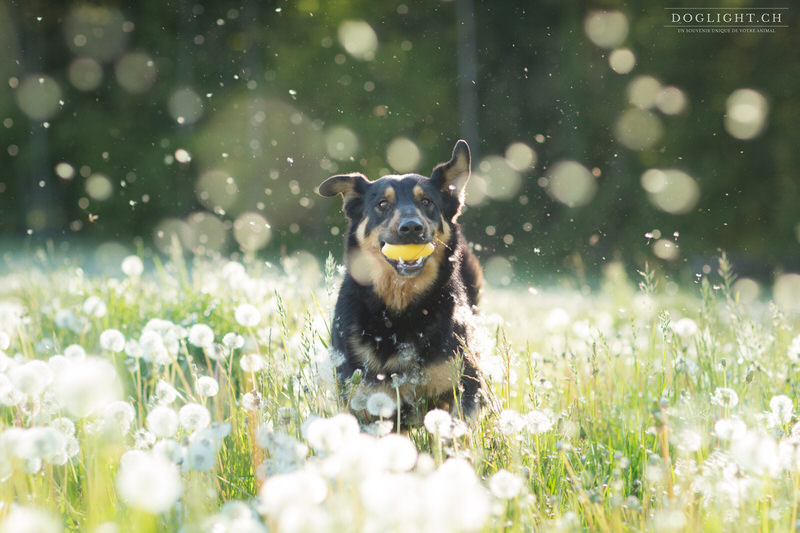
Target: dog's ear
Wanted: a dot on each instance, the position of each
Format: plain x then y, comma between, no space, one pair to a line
348,185
452,177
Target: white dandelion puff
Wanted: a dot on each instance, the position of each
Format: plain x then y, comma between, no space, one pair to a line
725,397
781,406
252,401
87,386
165,392
232,341
118,416
112,340
537,422
162,421
148,481
132,266
505,485
330,434
194,416
5,340
729,429
74,352
247,315
252,362
438,422
381,404
201,336
95,307
685,328
206,386
31,378
509,422
23,519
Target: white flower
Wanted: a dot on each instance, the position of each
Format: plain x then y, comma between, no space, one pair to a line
74,351
725,397
94,307
148,481
685,327
396,453
162,421
537,422
112,340
165,392
194,416
29,520
510,422
381,404
119,416
330,434
505,485
206,386
301,488
201,336
438,422
232,341
252,362
132,266
31,378
247,315
729,429
781,406
252,401
87,385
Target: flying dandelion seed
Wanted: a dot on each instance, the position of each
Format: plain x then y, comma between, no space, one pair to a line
112,340
148,481
505,485
247,315
201,336
162,421
194,416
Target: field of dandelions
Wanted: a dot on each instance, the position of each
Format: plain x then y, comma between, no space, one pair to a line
201,397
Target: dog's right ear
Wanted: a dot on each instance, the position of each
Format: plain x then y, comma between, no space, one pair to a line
348,185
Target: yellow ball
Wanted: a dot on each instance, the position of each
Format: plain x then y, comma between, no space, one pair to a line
407,252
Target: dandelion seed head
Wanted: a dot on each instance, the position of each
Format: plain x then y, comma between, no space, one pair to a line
66,319
194,416
94,307
206,386
86,386
729,429
252,401
162,421
112,340
510,422
725,397
31,378
64,425
23,519
537,422
5,340
381,404
202,455
247,315
74,352
118,416
781,406
330,434
505,485
439,422
201,335
165,392
396,453
132,266
148,481
685,328
252,362
302,488
232,341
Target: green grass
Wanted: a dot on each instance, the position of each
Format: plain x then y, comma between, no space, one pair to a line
629,408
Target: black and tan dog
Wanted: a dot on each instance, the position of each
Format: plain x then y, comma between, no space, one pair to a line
407,324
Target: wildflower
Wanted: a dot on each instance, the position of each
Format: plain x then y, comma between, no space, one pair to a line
22,519
252,362
537,422
510,422
201,336
689,440
194,416
781,406
132,266
685,327
724,397
148,481
162,421
247,315
94,307
232,341
381,404
112,340
206,386
252,401
438,422
505,485
118,416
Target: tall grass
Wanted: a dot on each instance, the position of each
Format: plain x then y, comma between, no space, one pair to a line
201,397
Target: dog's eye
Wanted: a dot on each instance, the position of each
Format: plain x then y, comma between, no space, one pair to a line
425,202
383,204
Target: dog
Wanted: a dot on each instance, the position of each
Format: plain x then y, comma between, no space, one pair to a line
405,326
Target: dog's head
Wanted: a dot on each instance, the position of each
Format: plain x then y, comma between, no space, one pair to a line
407,209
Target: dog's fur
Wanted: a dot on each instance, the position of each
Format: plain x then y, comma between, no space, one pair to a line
408,327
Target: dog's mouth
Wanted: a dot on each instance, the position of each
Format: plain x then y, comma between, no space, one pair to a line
408,260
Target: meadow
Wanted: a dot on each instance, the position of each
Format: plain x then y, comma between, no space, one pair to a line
200,396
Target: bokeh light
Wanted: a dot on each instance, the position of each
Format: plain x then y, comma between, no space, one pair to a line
786,291
135,72
341,143
208,233
185,106
39,96
746,114
571,183
670,100
216,190
403,155
606,29
358,38
638,129
666,249
171,232
746,290
643,91
252,231
622,60
95,31
498,271
85,74
671,190
65,171
99,187
503,181
520,156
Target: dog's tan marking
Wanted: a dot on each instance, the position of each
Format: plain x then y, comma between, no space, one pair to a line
389,194
419,192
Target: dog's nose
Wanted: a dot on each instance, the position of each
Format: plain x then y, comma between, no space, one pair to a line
410,227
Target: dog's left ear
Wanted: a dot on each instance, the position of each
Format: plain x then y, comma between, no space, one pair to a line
452,177
348,185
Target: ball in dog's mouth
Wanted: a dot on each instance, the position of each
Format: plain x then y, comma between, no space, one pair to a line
408,259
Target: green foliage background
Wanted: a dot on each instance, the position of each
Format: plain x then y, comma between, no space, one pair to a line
537,74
